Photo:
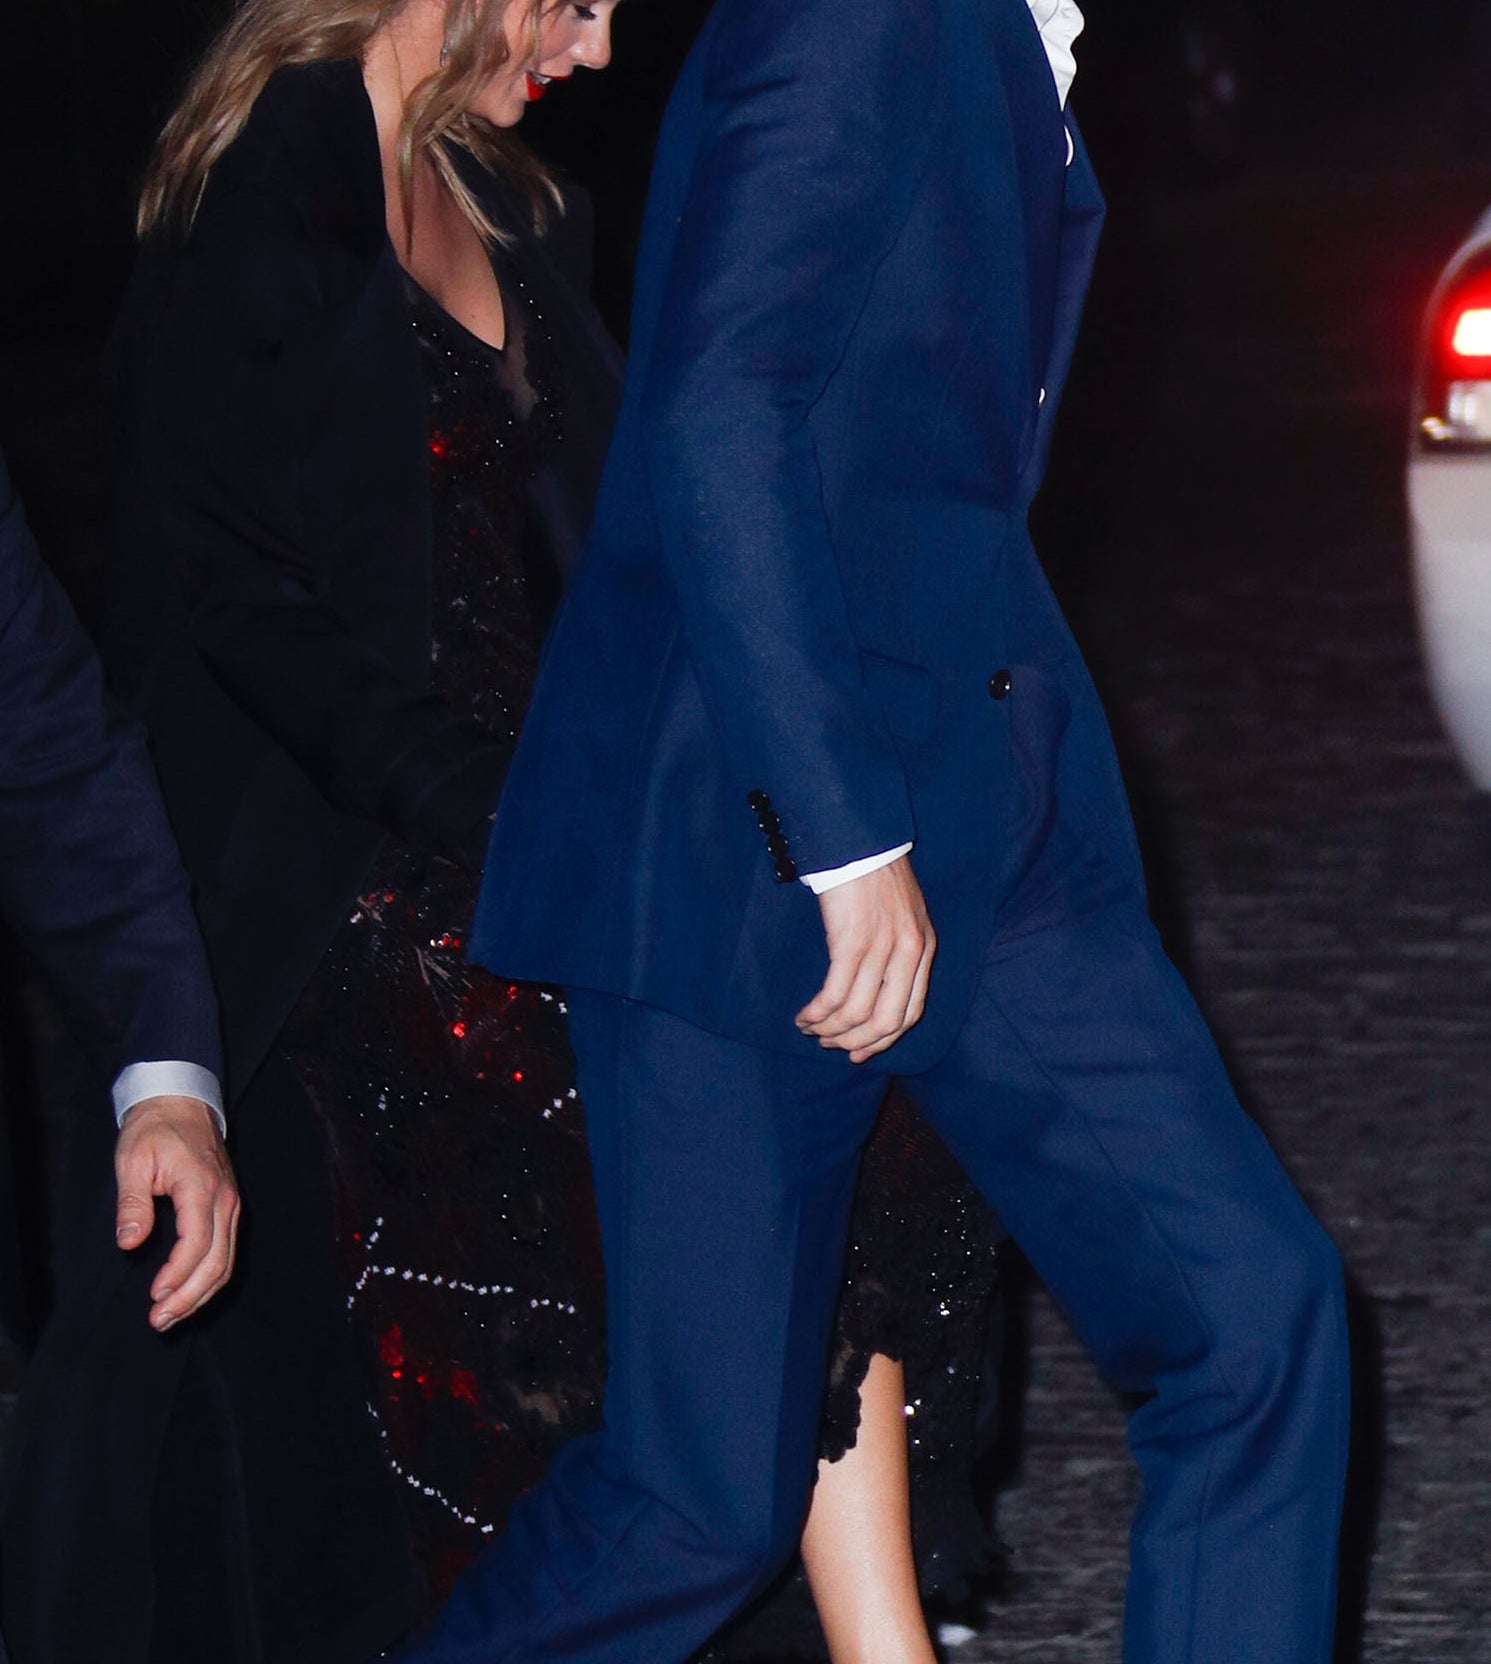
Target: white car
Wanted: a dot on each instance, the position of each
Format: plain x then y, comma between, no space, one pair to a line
1449,499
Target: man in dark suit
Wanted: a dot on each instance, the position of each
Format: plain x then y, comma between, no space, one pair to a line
92,885
90,880
810,649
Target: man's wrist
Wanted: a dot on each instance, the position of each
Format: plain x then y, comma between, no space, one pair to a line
831,879
170,1079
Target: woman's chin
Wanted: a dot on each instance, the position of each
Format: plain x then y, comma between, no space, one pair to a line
504,111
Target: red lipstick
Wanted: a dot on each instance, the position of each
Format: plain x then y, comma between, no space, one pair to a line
535,87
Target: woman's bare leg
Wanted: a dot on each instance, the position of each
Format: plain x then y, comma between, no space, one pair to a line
857,1542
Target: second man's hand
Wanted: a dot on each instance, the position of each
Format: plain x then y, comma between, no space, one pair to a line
171,1146
880,949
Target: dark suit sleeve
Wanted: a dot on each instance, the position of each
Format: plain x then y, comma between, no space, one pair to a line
250,344
89,874
803,178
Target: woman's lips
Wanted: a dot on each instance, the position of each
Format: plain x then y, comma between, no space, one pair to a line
535,85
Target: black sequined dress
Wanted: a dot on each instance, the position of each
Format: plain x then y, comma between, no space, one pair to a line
473,1258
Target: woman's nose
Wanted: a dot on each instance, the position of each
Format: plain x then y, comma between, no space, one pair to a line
593,49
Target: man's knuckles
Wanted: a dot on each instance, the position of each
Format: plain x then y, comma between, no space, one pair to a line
856,1010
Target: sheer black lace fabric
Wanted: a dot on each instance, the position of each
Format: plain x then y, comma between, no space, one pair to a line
920,1284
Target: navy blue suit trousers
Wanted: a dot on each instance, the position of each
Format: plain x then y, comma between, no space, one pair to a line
1085,1097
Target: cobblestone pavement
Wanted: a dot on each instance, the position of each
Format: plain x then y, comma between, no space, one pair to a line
1323,871
1233,552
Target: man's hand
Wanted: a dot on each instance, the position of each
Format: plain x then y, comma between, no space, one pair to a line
171,1147
880,948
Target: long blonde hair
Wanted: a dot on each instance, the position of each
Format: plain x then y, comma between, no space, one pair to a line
266,35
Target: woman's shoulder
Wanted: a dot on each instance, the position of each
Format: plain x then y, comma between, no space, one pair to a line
290,229
310,144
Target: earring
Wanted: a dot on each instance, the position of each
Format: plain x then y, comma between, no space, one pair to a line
444,54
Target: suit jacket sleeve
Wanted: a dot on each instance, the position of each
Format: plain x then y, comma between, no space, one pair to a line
253,334
803,177
89,874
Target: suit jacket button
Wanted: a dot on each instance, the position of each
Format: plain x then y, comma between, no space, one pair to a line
786,869
776,844
758,800
768,820
1000,684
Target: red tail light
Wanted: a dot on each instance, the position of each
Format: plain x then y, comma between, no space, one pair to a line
1455,410
1470,335
1465,325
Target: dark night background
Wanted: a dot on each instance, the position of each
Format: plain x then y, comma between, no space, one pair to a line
1224,521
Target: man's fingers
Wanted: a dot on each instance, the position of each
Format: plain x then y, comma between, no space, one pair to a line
179,1297
843,967
860,1052
887,1019
868,1044
901,1009
224,1243
200,1287
235,1213
180,1279
921,981
860,1001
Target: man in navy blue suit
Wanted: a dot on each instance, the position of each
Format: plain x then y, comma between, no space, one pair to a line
809,701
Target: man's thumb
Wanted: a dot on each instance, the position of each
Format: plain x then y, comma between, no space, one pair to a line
135,1218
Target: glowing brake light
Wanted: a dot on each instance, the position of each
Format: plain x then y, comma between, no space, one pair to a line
1455,392
1470,336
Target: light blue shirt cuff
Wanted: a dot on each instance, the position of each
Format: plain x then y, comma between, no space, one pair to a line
818,882
138,1081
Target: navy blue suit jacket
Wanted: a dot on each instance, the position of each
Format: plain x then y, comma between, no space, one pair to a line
864,260
89,874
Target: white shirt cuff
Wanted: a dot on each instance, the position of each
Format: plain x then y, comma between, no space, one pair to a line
818,882
138,1081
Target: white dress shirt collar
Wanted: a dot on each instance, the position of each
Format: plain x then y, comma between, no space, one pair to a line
1060,22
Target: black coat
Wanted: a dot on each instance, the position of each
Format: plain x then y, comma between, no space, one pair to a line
271,622
271,611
